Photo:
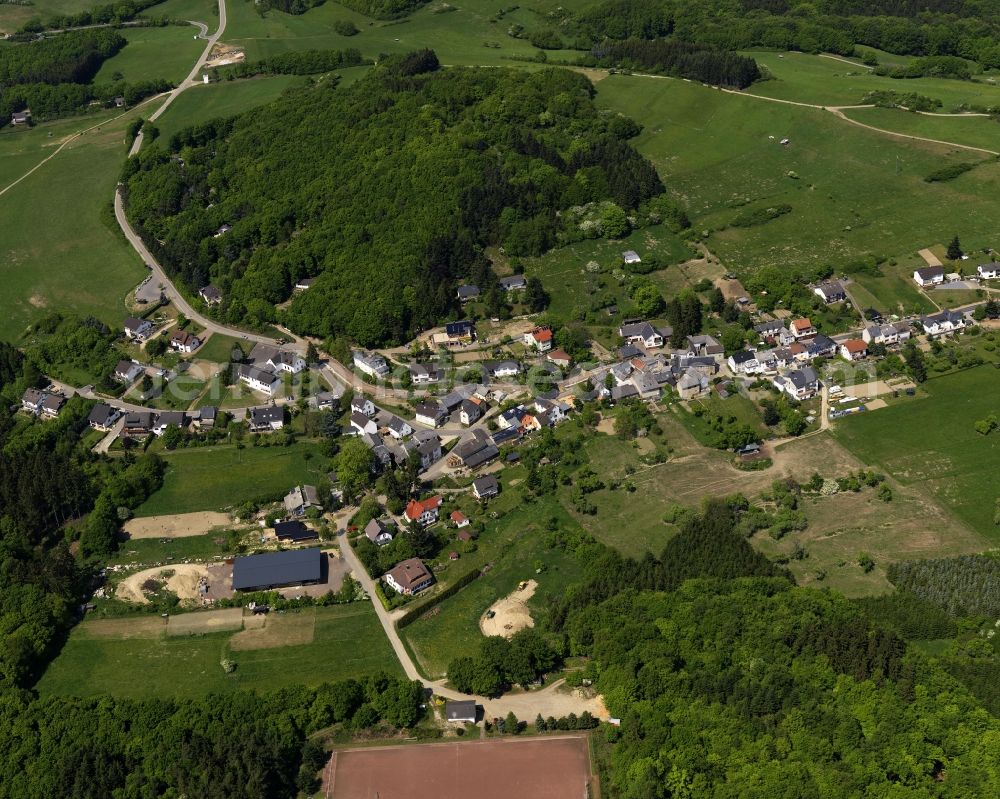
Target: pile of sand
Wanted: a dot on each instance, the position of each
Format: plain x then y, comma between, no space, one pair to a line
510,614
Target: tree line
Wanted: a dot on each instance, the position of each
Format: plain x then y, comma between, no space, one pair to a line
64,99
677,58
491,155
106,14
302,62
73,57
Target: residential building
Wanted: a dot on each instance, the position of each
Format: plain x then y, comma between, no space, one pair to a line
304,283
854,349
262,380
460,332
327,401
540,338
560,358
398,428
513,283
799,384
833,291
361,404
293,531
821,347
182,341
469,412
138,424
286,361
705,346
743,362
887,334
21,117
127,371
774,332
467,293
300,499
409,577
103,417
692,383
137,329
431,414
929,276
502,369
941,324
459,519
379,533
177,419
372,364
266,418
485,487
641,333
476,450
32,399
422,374
210,294
278,569
423,511
988,271
802,328
461,711
207,417
631,257
363,424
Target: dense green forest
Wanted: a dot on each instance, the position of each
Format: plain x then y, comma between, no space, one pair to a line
384,9
387,191
677,58
301,62
68,58
964,28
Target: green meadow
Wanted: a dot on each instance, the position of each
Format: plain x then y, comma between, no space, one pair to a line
167,52
853,192
974,131
931,444
215,478
13,17
123,658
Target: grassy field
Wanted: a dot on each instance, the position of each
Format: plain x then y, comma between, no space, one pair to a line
218,348
454,629
852,191
13,17
822,80
132,658
973,131
206,11
168,52
214,478
930,444
61,248
203,103
894,290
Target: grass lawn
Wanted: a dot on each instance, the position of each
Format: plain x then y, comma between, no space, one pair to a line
13,17
821,80
202,103
217,477
454,629
930,444
179,393
168,52
61,248
852,191
973,131
894,290
348,642
205,11
218,348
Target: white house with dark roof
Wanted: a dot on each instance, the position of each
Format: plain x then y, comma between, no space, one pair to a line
127,371
103,417
398,428
485,487
988,271
266,418
182,341
941,324
363,424
372,364
137,329
929,276
32,399
743,362
422,374
799,384
641,333
286,361
833,291
430,413
361,404
467,293
887,334
262,380
168,419
210,294
513,283
379,533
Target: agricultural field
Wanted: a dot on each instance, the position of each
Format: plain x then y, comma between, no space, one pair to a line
452,629
202,103
932,446
852,191
217,477
832,81
135,657
206,11
13,17
59,232
151,53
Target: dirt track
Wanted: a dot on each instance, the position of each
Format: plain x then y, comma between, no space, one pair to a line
178,525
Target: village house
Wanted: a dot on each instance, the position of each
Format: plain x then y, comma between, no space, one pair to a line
540,338
460,711
300,499
768,361
485,487
266,419
52,404
743,362
422,374
138,424
513,283
631,257
560,358
929,276
167,419
821,347
459,519
21,117
326,401
32,399
137,329
127,371
833,291
774,332
467,293
458,332
262,380
372,364
641,333
409,577
502,369
429,451
423,512
286,361
431,414
207,417
304,283
469,412
398,428
103,417
181,341
293,531
379,533
941,324
692,383
210,294
854,349
799,384
705,346
988,271
363,424
476,450
802,328
361,404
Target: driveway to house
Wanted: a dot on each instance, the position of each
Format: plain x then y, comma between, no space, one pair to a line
102,446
